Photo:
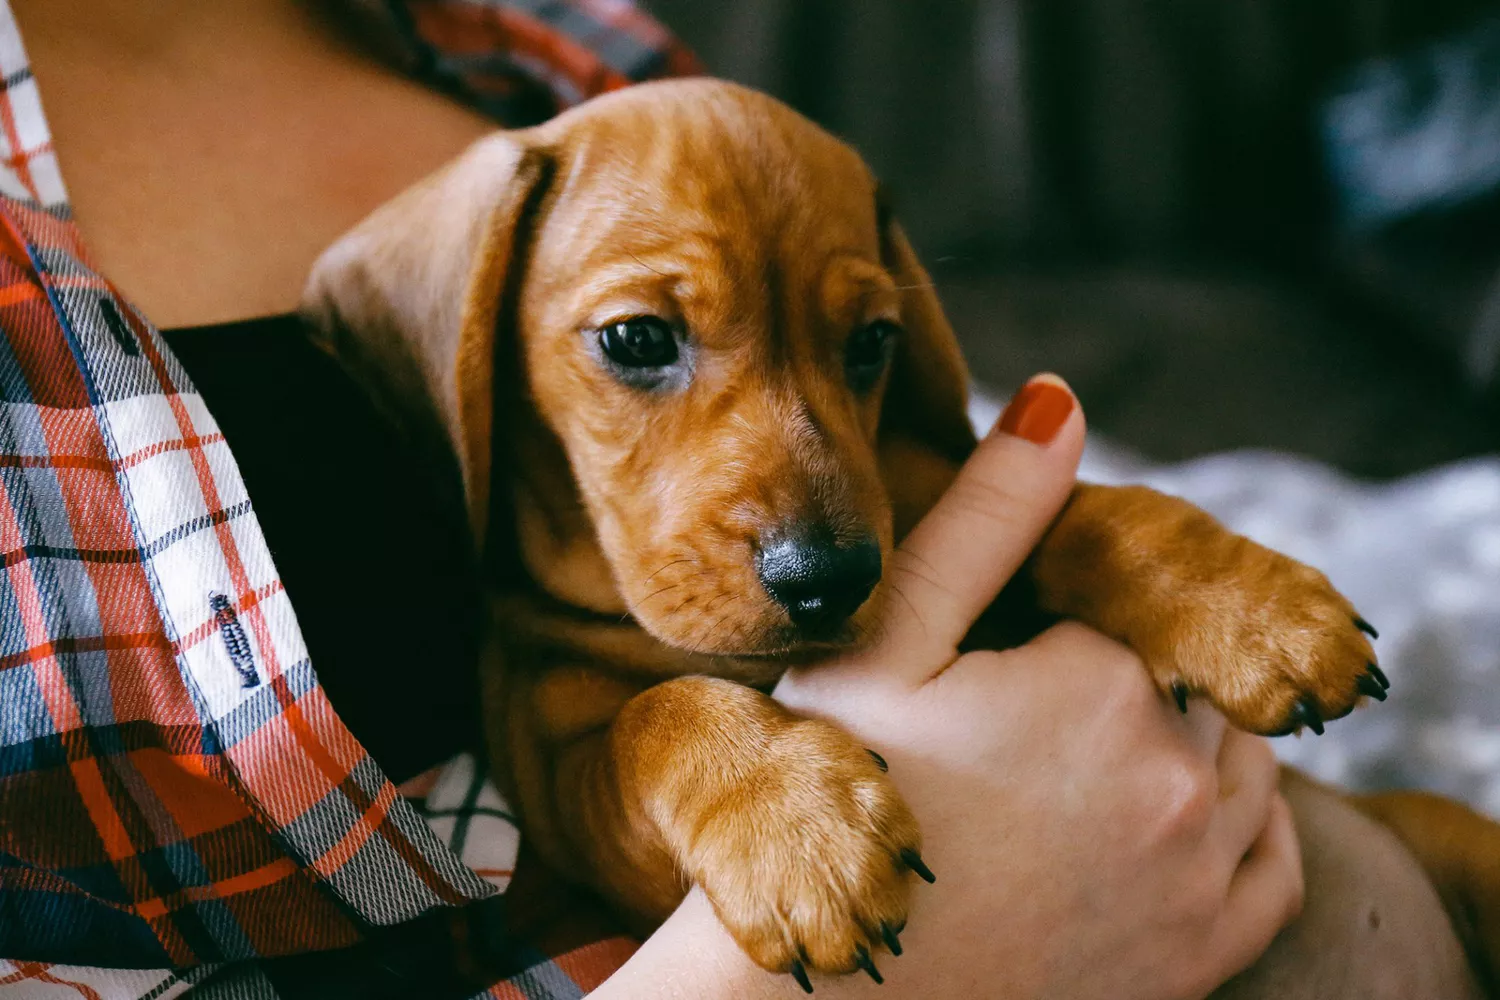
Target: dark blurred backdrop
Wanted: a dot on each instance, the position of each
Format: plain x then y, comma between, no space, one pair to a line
1270,223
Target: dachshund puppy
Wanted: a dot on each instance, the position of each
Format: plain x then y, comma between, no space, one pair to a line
697,385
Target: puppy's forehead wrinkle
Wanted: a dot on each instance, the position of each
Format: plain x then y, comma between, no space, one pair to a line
675,242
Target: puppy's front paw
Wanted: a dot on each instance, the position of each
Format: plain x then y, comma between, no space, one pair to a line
1266,638
808,861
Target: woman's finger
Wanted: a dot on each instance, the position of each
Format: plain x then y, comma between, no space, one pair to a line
1248,781
955,561
1265,894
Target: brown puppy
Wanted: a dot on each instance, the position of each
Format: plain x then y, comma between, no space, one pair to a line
698,384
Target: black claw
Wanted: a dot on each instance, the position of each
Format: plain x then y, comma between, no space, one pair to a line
1379,675
1305,712
799,973
1370,686
1180,693
892,942
879,760
1366,628
915,863
862,959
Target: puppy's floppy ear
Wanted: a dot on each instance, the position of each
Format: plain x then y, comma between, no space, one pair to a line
925,432
410,299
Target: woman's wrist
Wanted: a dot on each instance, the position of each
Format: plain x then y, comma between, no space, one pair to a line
690,957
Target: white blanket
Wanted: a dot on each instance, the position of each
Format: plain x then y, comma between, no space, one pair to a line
1420,559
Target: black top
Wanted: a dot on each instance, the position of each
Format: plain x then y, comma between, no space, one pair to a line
376,566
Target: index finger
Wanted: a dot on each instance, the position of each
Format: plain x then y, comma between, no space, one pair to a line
953,564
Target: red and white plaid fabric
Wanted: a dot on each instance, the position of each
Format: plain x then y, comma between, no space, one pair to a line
180,808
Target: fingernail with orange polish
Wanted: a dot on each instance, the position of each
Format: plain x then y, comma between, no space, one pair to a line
1037,412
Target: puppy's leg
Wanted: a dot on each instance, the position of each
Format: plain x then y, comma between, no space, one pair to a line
791,828
1461,852
1266,638
1372,927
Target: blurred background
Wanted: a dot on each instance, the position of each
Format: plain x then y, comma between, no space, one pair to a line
1230,223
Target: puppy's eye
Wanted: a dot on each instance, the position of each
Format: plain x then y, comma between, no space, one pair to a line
640,342
868,352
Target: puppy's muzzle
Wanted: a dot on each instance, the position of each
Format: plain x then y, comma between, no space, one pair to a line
819,582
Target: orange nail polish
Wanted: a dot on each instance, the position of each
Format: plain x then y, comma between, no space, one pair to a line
1037,412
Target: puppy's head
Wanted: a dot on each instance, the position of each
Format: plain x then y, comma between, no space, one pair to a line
722,344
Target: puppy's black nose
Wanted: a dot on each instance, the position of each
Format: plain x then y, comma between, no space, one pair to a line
818,581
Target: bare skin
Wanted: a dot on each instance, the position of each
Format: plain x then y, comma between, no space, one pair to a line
190,146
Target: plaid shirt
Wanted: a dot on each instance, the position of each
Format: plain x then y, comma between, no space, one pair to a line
180,808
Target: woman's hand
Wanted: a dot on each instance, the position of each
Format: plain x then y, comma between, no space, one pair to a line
1089,841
